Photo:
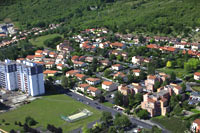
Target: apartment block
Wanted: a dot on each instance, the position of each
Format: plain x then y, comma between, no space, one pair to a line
24,76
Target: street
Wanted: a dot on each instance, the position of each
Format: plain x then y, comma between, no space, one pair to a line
101,107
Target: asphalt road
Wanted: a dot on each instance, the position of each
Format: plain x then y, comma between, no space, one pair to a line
101,107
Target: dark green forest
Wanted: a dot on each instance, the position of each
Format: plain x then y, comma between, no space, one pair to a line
125,16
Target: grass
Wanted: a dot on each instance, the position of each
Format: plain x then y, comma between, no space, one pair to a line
195,111
47,111
176,125
181,73
108,104
39,41
196,88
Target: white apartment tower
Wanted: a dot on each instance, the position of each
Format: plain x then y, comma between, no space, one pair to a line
28,77
8,75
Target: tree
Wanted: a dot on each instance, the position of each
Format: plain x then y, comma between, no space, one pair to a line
122,122
112,129
142,75
183,87
118,99
143,114
151,69
169,64
85,129
101,99
30,121
64,82
157,84
106,117
119,58
12,131
107,72
173,77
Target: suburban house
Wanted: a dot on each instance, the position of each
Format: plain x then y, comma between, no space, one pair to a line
52,54
93,81
105,62
173,88
89,59
118,45
72,73
80,76
38,57
117,67
197,75
195,126
74,58
50,73
195,46
104,45
93,91
149,83
109,86
79,64
82,87
38,52
156,103
49,65
137,60
30,57
136,72
59,66
137,88
125,90
120,75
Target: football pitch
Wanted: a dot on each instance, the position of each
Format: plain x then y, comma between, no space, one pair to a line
48,110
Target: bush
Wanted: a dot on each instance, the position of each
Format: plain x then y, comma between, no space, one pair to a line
30,121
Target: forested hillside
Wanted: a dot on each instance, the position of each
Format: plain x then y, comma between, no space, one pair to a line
154,16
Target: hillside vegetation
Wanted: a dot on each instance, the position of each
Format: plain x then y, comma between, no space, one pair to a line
154,16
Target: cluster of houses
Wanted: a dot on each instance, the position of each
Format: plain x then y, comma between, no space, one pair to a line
22,35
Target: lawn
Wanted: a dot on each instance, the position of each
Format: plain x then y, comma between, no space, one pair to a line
181,73
47,110
196,88
39,41
195,111
176,125
108,104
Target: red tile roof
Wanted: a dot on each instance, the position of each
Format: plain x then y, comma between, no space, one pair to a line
197,73
84,85
107,83
117,44
93,89
80,75
50,72
93,79
197,121
38,52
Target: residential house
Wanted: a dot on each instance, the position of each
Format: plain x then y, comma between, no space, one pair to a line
150,82
50,73
49,65
105,62
52,54
137,88
136,72
72,73
121,75
38,52
93,91
137,60
59,66
82,87
93,81
109,86
30,57
74,58
89,59
118,45
117,67
80,76
156,103
38,57
195,46
79,64
104,45
125,90
173,88
197,75
195,126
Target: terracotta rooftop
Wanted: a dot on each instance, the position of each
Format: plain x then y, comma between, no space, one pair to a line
84,85
50,72
197,73
93,79
93,89
118,44
107,83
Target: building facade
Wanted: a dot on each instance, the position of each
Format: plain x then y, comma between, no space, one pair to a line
24,76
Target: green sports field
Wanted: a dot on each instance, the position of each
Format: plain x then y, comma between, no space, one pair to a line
47,111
